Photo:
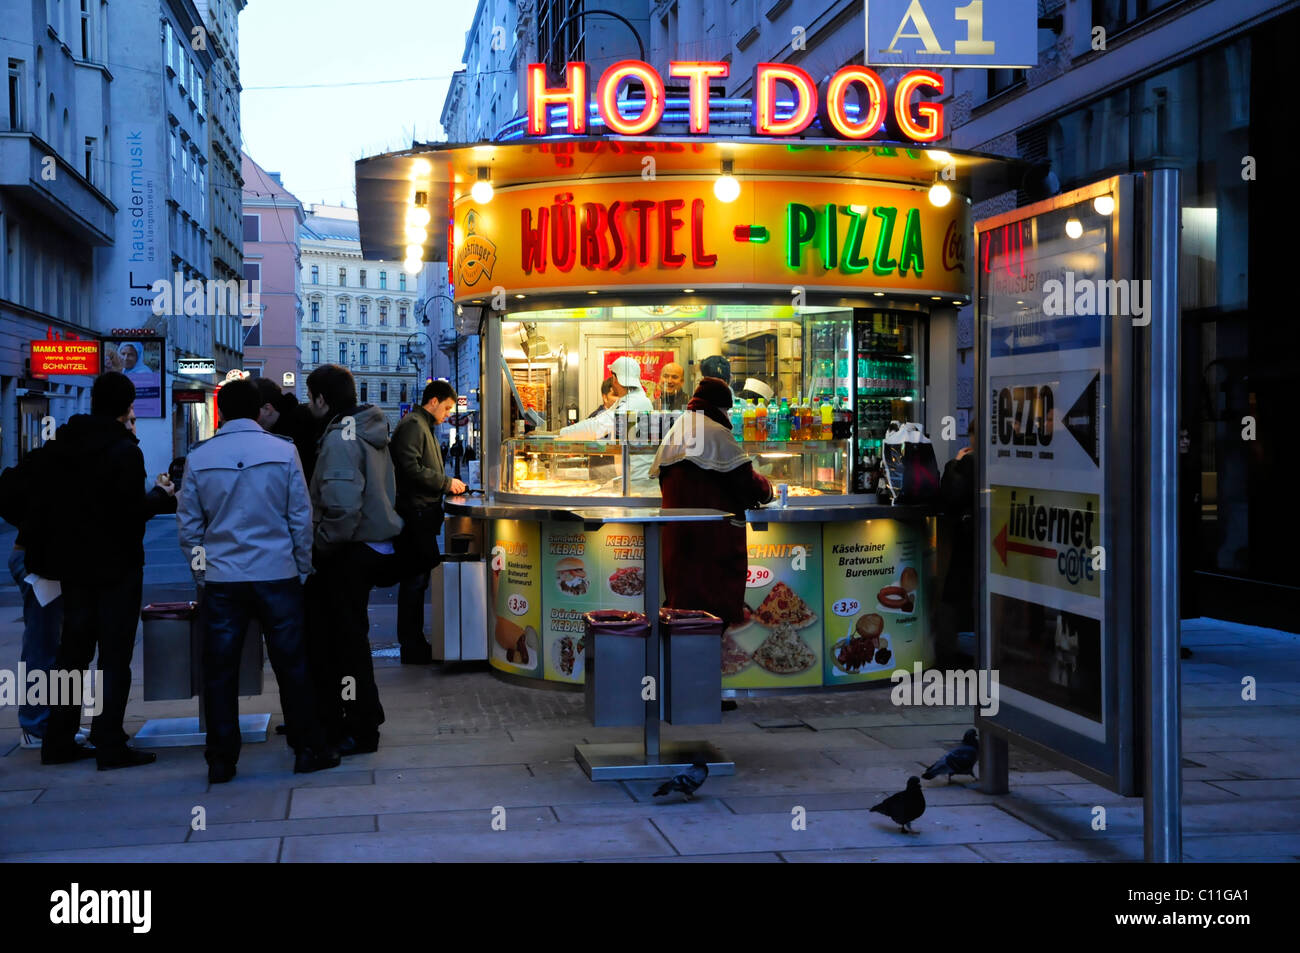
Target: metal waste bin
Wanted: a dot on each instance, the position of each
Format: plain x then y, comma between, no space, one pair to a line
173,653
614,643
692,642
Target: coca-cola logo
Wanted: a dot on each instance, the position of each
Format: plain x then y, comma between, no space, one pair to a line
954,248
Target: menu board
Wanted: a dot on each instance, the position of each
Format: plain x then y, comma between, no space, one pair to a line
876,590
583,571
515,597
780,643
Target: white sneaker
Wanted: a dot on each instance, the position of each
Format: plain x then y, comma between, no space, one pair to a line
31,742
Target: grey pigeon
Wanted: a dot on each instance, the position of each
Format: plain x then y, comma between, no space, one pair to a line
688,782
960,760
905,806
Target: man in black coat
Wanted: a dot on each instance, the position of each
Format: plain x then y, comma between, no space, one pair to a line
421,483
89,535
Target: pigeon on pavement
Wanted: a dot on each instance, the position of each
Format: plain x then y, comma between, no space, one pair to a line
688,782
905,806
960,760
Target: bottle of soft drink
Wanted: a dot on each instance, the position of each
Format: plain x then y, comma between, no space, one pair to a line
760,420
737,417
827,420
783,421
749,424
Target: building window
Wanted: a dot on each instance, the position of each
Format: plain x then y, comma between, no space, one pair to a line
170,39
383,313
315,274
343,277
401,355
343,312
85,31
253,271
252,228
363,393
363,278
315,352
365,353
15,94
383,392
364,312
90,160
383,279
1116,15
315,312
383,354
403,397
1000,80
401,315
343,352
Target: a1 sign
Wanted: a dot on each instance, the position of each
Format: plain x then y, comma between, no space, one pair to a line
757,577
993,34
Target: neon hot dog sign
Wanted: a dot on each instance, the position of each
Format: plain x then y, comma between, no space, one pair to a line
917,121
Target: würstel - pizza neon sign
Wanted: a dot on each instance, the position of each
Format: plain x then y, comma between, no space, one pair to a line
769,78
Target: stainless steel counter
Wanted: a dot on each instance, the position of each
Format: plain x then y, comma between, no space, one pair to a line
479,508
839,513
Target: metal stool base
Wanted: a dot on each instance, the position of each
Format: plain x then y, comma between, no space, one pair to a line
627,761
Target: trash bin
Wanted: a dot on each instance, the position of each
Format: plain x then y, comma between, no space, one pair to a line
173,653
614,644
692,642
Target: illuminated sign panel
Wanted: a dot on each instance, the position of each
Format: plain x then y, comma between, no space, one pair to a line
65,357
631,234
992,34
774,83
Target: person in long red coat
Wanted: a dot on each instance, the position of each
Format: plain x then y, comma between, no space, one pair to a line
700,465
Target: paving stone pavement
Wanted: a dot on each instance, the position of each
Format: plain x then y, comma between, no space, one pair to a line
460,744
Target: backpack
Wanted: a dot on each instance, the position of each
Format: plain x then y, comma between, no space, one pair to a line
19,487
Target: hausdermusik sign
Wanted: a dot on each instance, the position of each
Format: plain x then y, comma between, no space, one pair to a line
918,121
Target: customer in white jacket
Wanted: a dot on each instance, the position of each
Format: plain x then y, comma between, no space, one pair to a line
246,528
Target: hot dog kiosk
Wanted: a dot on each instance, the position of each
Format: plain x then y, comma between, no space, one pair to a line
808,253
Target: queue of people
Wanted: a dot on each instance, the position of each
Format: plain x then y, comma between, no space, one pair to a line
293,513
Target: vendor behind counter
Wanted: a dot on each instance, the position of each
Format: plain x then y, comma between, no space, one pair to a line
632,399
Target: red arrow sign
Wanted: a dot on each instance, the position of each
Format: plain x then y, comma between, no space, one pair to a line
1001,546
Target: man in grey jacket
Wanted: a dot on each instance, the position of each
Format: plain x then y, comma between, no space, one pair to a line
353,495
245,525
421,483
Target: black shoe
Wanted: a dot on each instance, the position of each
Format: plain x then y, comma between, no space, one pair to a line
219,772
308,761
420,654
124,757
728,704
350,745
281,729
66,755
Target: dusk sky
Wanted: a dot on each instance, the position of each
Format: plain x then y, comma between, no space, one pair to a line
314,135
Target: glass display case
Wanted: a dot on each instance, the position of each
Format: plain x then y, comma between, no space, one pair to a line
546,467
564,435
888,385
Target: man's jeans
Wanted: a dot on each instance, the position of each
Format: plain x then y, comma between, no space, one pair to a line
412,594
41,628
227,609
338,642
102,615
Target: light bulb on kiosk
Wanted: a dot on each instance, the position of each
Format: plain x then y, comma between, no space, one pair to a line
1104,204
482,191
1074,228
940,195
726,187
418,217
413,266
416,236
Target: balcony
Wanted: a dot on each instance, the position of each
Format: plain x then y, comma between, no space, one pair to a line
69,200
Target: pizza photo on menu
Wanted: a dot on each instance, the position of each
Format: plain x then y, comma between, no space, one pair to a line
734,658
784,607
784,652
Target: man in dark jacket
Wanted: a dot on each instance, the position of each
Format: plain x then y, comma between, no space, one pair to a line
421,483
91,538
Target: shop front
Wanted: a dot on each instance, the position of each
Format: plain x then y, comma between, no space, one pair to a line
808,272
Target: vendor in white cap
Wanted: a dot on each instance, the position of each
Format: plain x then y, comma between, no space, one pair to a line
754,389
632,399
